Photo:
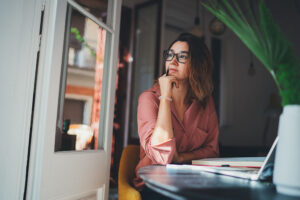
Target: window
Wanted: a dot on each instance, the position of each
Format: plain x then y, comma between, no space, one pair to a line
81,78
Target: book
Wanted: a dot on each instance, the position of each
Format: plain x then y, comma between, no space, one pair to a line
256,162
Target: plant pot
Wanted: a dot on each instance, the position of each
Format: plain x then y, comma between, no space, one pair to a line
287,159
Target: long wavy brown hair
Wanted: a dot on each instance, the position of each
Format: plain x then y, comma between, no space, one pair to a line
200,70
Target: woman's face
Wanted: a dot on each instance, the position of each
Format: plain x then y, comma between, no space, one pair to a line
178,66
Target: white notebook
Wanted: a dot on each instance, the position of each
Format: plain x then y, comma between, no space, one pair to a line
231,162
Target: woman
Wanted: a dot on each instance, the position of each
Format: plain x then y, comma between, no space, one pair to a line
177,121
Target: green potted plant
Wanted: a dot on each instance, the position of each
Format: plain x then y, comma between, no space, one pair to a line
254,25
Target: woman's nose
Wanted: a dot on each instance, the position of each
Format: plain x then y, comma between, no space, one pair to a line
174,60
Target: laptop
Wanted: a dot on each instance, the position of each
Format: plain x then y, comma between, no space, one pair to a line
265,172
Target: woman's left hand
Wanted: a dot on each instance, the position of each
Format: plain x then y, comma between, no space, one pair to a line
177,158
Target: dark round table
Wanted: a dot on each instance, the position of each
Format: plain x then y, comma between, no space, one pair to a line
182,183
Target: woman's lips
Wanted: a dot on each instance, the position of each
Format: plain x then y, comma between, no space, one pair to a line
172,70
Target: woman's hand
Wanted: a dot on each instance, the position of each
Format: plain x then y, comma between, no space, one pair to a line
177,158
166,84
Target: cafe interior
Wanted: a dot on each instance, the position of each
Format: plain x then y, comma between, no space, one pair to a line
246,98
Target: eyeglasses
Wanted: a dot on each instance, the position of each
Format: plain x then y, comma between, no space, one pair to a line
181,57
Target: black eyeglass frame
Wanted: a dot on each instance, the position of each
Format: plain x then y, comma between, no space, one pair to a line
166,53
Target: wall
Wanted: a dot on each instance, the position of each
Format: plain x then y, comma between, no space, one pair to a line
244,99
19,22
132,3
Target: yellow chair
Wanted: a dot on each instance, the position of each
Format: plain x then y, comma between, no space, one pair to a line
128,162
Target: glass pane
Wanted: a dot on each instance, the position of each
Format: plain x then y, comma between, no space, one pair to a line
98,8
81,84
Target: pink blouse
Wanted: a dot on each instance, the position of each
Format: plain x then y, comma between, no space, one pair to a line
197,133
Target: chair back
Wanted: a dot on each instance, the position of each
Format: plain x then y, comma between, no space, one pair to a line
128,162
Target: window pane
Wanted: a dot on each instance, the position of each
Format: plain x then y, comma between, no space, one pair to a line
98,8
81,84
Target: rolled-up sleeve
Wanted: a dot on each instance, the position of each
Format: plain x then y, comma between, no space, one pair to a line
210,147
146,118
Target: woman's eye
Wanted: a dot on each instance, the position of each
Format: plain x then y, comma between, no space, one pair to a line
183,56
170,55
